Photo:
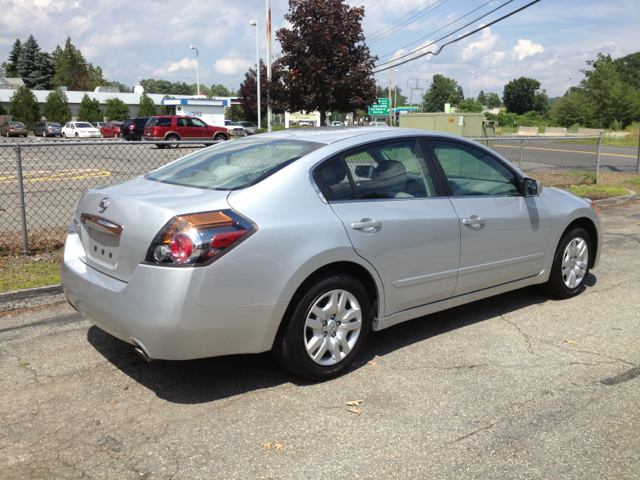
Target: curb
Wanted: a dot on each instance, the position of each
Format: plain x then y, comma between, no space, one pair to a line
612,202
31,297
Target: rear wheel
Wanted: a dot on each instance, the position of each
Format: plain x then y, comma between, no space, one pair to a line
174,139
64,135
326,329
570,265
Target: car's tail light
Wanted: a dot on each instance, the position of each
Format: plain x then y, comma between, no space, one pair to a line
10,128
198,239
131,127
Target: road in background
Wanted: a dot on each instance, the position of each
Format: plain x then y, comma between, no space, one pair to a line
515,386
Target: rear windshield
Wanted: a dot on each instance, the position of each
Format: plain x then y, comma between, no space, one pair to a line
17,124
233,164
159,122
53,124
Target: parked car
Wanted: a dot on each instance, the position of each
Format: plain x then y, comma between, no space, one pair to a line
47,129
301,242
132,129
14,129
249,127
172,128
111,129
235,129
336,123
80,130
98,125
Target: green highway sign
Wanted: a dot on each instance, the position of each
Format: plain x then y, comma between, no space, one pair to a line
381,107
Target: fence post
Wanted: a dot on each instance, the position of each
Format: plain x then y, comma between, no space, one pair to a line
23,214
598,162
521,151
638,166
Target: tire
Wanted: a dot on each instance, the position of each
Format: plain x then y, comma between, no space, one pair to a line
77,135
570,264
173,139
313,343
64,135
221,137
115,135
101,135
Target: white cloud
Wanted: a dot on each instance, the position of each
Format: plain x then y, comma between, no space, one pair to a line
231,66
485,44
185,64
526,48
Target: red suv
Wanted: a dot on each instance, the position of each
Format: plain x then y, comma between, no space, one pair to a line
172,128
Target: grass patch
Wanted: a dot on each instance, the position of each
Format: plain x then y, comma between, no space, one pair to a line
563,178
598,192
17,271
629,140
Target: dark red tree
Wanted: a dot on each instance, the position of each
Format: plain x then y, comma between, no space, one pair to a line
248,92
325,63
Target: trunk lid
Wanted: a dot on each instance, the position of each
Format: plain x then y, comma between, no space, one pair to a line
116,239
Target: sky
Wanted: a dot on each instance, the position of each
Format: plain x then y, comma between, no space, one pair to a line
549,41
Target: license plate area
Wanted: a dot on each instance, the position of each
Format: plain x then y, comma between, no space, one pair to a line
101,240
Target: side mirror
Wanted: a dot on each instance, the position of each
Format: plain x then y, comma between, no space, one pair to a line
531,187
364,171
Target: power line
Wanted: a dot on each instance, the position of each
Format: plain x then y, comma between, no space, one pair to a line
457,39
436,31
405,23
396,21
448,34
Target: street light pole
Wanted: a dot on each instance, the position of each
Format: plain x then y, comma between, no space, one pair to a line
255,23
269,127
471,83
395,100
193,47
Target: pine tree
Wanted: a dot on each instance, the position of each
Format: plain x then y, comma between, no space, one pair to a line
27,61
56,107
147,106
24,106
482,98
89,110
11,67
42,76
117,109
73,71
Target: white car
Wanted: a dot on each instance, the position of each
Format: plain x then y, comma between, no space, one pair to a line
336,123
80,130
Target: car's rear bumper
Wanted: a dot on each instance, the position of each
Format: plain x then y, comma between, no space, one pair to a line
157,310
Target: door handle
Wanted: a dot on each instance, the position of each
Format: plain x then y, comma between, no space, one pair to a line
474,220
366,225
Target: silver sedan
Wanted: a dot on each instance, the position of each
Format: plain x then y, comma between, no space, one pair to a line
302,241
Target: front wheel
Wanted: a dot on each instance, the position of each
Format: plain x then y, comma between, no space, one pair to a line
220,137
77,135
570,265
326,329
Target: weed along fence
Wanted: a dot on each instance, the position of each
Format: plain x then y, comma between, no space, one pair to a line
41,182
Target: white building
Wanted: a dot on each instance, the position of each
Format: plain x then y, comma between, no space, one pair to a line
131,99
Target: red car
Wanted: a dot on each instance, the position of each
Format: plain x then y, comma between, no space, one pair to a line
110,129
174,128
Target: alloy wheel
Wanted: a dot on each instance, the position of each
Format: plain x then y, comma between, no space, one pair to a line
575,261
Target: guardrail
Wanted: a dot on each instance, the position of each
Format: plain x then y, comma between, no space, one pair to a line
41,182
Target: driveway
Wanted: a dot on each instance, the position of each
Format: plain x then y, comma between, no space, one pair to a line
516,386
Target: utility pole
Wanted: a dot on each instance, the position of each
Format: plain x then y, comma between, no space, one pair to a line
255,24
269,126
395,101
471,83
390,123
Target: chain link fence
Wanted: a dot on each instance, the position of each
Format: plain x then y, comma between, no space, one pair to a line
53,175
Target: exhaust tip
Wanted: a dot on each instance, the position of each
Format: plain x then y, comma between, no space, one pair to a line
140,350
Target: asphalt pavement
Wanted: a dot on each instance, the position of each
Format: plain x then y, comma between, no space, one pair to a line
515,386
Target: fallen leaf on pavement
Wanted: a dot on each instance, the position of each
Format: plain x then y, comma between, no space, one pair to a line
265,446
356,410
372,363
114,401
279,446
354,403
569,341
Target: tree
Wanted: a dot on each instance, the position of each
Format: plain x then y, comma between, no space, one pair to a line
615,101
249,93
219,90
469,105
73,71
629,69
24,106
235,113
384,93
575,108
325,64
117,110
11,67
3,111
442,90
56,107
89,110
519,95
203,89
541,102
147,106
482,98
493,100
27,61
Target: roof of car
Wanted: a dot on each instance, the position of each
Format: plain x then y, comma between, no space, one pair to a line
336,134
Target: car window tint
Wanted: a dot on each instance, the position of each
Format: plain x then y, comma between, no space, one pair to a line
163,122
231,165
393,170
182,122
333,181
197,123
472,171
